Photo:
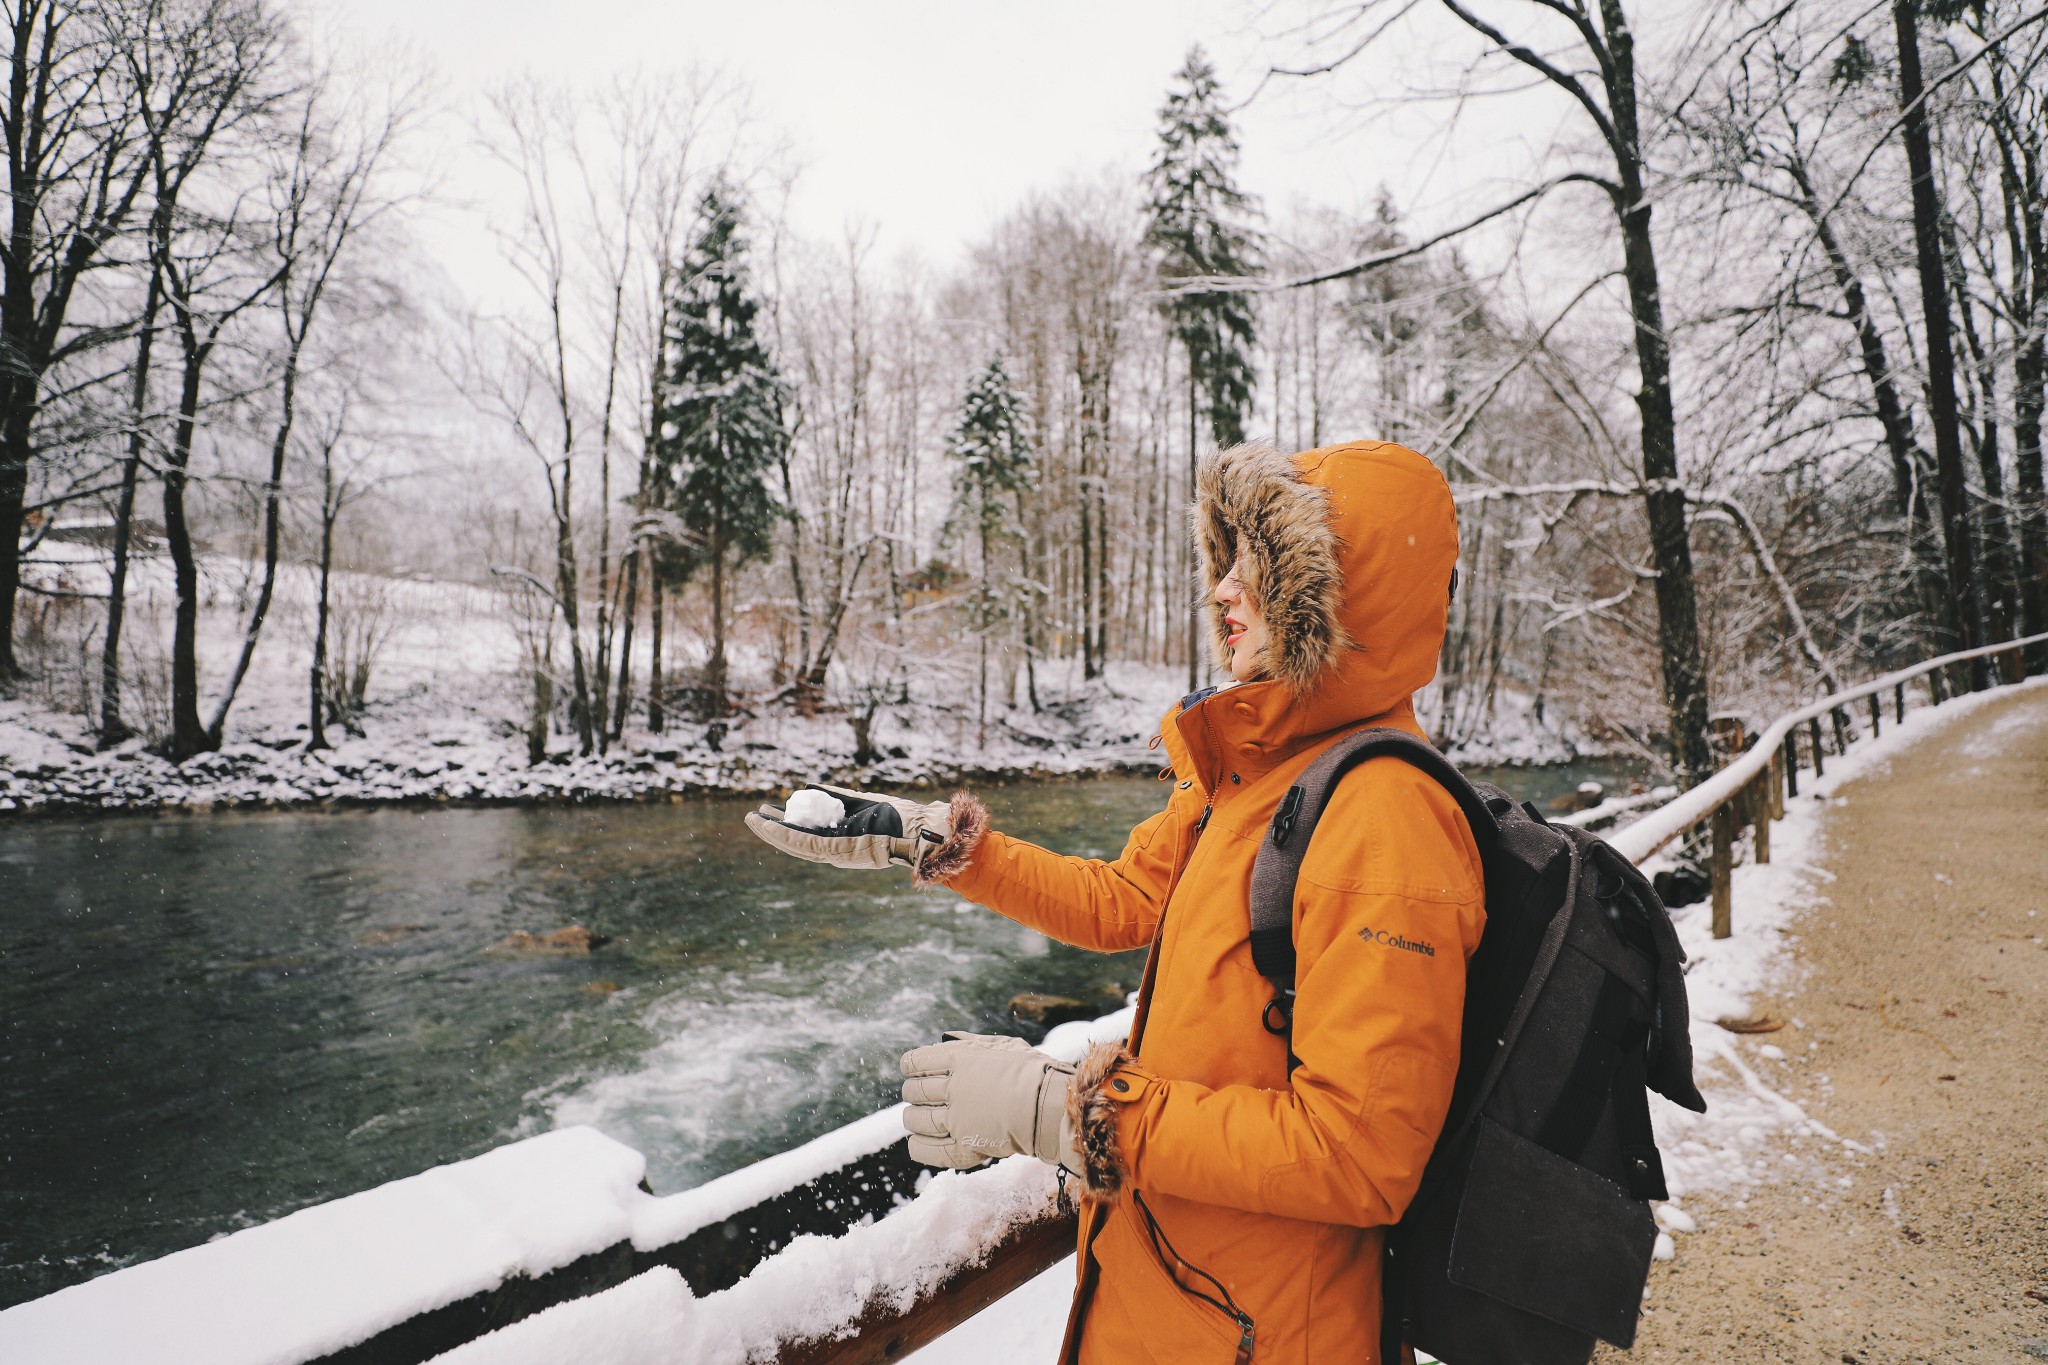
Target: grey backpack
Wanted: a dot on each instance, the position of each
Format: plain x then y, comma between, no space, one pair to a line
1531,1233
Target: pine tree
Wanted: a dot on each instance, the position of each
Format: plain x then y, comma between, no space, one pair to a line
997,464
718,419
1199,226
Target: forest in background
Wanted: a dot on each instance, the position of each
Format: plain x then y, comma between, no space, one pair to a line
1739,385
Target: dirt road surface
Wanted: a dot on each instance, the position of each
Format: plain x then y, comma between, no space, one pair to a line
1922,1033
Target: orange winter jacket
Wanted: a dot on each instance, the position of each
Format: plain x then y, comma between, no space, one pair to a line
1229,1203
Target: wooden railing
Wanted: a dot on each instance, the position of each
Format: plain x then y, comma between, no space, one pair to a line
1750,790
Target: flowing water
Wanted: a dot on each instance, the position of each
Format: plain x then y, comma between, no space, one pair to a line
206,1022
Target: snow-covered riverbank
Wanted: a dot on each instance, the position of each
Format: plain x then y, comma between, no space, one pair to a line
448,704
424,748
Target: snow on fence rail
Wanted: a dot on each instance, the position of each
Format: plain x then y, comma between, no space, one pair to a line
833,1253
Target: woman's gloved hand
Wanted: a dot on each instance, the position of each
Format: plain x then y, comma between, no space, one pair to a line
976,1097
878,831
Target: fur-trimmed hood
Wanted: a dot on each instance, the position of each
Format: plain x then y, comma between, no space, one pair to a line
1350,551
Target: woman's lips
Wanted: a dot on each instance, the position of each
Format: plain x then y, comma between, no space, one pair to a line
1235,632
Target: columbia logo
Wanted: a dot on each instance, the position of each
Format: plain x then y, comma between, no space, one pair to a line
1387,940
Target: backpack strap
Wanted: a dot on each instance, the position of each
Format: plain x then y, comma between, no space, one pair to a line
1277,866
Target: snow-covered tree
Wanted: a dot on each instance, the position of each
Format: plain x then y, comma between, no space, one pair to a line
996,466
719,417
1199,226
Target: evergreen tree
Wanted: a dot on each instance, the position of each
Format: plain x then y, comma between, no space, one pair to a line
996,466
1199,225
718,418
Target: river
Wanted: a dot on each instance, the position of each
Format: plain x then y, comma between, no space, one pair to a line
209,1021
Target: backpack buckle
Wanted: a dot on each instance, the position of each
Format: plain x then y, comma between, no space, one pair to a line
1284,818
1279,1014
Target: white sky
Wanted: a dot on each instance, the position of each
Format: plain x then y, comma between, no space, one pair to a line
923,119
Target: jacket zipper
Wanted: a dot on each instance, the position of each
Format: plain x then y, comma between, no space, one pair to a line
1161,1247
1177,1271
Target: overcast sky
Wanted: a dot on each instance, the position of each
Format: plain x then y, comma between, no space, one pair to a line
928,119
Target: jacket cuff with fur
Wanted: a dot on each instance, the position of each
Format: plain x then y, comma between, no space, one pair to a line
967,819
1092,1114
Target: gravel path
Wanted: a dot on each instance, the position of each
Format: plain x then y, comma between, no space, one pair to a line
1920,1029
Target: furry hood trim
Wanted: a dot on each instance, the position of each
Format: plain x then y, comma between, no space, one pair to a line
1350,551
1251,500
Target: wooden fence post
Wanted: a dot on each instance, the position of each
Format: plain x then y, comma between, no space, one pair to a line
1760,793
1899,702
1792,762
1840,722
1777,792
1876,716
1813,731
1723,823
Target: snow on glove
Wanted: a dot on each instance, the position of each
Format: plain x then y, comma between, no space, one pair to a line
977,1096
934,839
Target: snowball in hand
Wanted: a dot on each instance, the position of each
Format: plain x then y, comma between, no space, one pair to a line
813,809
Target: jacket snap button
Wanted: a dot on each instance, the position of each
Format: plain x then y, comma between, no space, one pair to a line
1245,709
1119,1086
1185,785
1248,747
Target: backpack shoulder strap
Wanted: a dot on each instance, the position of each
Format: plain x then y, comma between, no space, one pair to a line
1277,866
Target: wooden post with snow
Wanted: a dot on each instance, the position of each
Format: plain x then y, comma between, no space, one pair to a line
1723,823
1763,807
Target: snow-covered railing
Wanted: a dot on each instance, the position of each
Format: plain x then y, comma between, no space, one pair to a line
401,1273
1752,788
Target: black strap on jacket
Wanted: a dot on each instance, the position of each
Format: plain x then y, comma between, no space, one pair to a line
1278,865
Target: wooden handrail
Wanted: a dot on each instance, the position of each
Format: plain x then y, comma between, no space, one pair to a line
1651,833
886,1333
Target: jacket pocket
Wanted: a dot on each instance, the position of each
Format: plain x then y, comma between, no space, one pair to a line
1551,1238
1139,1312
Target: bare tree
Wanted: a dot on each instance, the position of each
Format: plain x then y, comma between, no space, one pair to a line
326,195
1588,54
78,165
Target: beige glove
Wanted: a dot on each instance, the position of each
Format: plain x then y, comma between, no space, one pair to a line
976,1097
878,831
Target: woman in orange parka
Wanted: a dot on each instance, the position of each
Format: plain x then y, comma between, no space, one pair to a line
1233,1209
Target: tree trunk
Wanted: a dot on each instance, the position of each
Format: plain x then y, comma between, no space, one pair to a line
1678,638
812,683
1892,414
566,586
2001,553
1030,608
627,611
543,706
657,719
273,494
1909,461
316,711
2019,147
114,730
1964,597
16,449
714,674
187,736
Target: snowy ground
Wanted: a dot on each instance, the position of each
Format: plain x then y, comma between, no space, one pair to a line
448,704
